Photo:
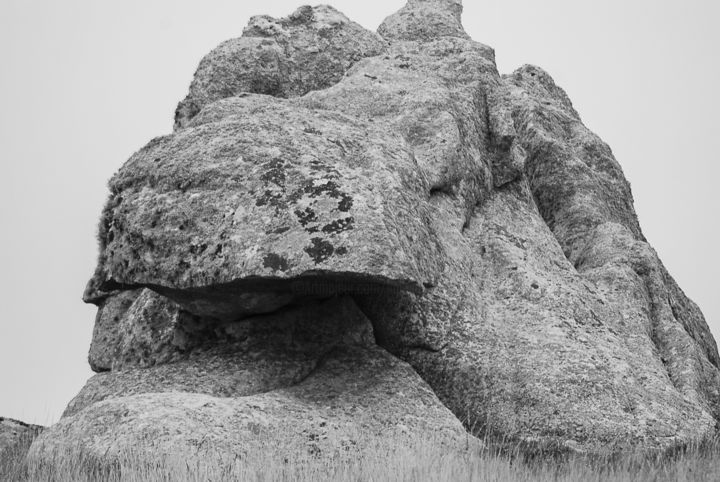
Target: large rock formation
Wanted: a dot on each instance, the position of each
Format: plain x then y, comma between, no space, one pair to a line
347,231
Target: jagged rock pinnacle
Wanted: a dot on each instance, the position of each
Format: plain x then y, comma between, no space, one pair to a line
425,20
453,6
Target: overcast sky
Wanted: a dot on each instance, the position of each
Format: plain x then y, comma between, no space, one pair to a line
85,83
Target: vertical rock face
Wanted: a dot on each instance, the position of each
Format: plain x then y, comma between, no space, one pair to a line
355,229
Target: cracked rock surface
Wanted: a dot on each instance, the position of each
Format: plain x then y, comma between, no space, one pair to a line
351,230
310,377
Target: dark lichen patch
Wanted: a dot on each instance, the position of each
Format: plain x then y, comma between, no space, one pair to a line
345,203
403,62
317,166
339,225
306,216
274,172
271,198
198,249
329,188
275,262
320,250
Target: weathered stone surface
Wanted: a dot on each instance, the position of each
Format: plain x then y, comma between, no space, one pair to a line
257,192
239,358
592,217
15,434
309,50
535,352
425,20
140,328
539,346
310,377
485,232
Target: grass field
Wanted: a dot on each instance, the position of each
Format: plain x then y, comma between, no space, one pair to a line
389,462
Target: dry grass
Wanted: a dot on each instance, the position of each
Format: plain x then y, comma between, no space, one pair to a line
392,461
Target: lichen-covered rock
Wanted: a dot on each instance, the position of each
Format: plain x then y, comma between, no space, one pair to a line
256,193
16,435
309,379
309,50
486,234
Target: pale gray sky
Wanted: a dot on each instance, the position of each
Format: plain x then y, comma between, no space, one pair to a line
85,83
